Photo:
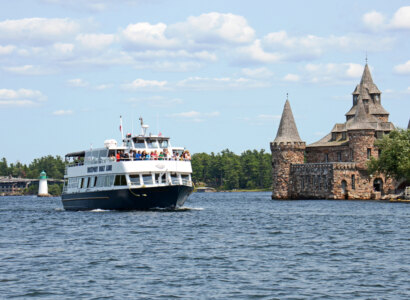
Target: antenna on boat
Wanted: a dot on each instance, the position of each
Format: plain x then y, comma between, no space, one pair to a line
143,127
122,131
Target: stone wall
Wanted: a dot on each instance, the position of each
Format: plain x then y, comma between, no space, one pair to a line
283,155
318,154
311,181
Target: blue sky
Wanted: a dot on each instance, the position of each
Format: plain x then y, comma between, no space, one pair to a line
210,74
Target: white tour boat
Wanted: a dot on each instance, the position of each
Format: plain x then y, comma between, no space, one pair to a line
118,178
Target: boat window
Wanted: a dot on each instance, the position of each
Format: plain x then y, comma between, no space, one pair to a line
128,143
80,182
103,154
164,144
147,179
140,144
160,178
174,178
185,179
72,182
87,159
100,181
153,144
120,180
94,156
135,179
109,180
92,181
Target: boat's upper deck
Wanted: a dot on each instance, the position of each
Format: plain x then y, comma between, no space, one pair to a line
135,153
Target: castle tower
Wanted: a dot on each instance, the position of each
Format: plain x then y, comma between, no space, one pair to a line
361,134
42,186
287,149
371,96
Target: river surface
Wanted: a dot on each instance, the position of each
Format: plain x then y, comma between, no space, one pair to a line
221,246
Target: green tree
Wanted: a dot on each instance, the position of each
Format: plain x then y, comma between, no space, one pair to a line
394,159
4,167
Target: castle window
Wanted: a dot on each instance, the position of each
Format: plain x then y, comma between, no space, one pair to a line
354,99
369,153
339,156
326,157
343,135
353,182
379,152
351,155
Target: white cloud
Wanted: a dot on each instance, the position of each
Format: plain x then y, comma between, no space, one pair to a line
214,28
95,41
62,112
21,97
373,20
332,73
255,53
308,47
291,78
401,19
63,48
6,49
257,73
403,69
147,36
205,83
77,82
376,21
28,70
142,84
354,70
37,30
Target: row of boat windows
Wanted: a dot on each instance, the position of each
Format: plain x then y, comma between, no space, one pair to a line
121,180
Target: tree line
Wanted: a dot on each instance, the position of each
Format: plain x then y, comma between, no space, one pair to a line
227,170
54,167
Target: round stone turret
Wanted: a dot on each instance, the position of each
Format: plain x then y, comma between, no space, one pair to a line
287,149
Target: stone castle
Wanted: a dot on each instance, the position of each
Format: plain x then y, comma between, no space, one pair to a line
335,166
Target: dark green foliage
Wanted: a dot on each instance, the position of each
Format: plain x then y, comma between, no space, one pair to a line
227,171
53,166
394,159
55,189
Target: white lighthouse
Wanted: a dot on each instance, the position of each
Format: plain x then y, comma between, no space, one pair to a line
42,185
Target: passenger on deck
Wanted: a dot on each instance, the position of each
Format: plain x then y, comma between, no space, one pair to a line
167,156
161,156
147,156
187,155
138,155
154,155
118,156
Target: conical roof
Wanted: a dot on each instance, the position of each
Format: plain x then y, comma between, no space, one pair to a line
287,131
366,76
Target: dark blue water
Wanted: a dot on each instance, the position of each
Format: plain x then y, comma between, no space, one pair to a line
226,246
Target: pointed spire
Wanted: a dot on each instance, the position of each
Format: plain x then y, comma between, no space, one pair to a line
287,131
366,77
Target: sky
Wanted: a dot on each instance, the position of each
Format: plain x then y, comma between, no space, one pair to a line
212,75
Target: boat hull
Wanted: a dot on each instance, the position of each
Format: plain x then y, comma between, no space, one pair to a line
129,199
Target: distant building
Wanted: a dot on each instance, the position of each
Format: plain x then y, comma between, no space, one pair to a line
335,166
14,186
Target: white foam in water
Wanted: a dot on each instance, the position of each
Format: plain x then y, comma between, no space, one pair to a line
59,209
99,210
190,208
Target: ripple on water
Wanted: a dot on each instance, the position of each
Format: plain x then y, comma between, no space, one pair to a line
220,246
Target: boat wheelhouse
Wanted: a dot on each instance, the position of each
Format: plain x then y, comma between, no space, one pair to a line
128,177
